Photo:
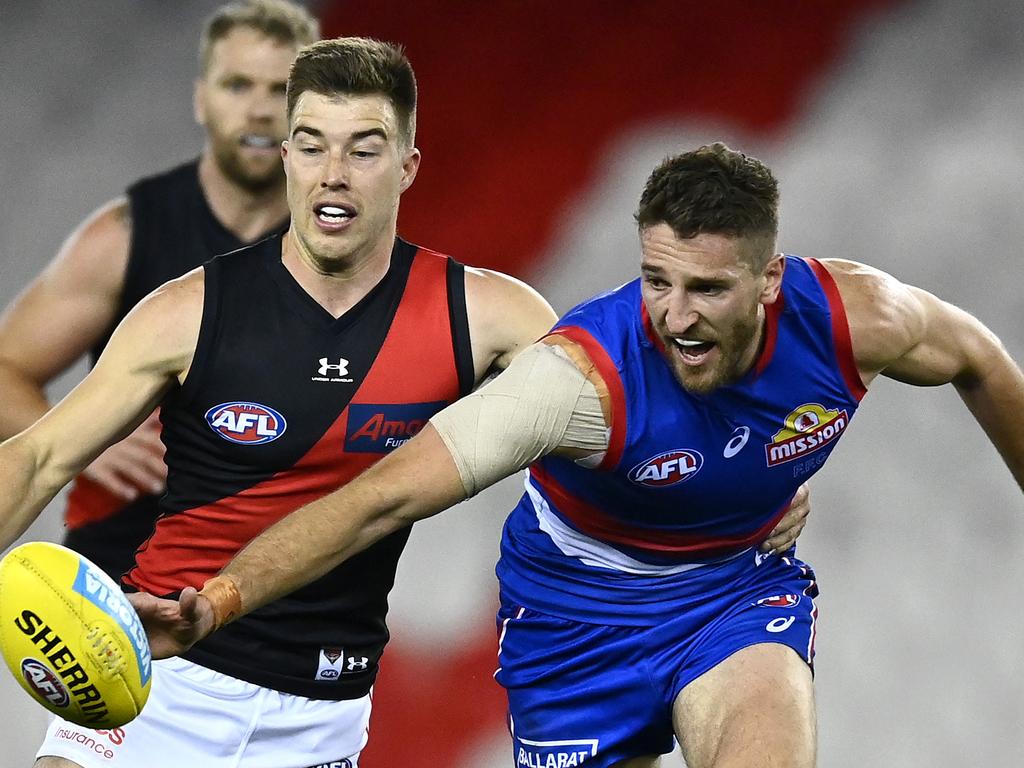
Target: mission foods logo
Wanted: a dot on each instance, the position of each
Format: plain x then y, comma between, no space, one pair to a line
246,423
382,428
807,429
667,468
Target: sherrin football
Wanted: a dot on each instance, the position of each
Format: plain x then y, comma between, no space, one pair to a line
71,638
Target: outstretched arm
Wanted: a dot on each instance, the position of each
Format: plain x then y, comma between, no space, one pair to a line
413,482
908,334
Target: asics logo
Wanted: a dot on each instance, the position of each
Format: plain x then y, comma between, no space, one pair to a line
739,439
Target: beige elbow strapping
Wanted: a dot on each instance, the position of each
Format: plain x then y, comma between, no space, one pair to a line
540,403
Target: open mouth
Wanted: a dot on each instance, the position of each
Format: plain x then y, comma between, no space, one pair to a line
694,351
334,214
258,141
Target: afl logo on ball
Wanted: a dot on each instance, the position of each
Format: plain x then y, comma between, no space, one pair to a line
667,468
246,423
45,684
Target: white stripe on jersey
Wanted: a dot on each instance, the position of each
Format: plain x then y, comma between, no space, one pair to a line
596,553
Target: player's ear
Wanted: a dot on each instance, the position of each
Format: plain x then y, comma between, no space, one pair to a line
772,277
410,165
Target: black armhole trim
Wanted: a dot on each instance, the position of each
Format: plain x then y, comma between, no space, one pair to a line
459,319
209,328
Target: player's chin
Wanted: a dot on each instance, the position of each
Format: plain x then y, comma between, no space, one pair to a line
700,380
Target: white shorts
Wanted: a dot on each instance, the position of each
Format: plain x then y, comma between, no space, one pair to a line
198,718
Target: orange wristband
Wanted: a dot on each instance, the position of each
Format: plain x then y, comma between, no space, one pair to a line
224,598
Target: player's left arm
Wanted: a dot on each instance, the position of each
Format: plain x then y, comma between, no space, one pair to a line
505,316
907,334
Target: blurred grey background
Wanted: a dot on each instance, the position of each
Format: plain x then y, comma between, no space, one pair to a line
908,154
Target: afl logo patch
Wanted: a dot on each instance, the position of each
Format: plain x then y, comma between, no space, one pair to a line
246,423
779,601
44,683
667,468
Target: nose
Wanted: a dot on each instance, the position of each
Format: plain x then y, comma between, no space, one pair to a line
681,314
335,175
266,105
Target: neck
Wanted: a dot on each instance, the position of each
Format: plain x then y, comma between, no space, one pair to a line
753,353
337,284
244,213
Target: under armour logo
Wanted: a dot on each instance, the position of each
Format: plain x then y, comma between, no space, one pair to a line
353,664
341,368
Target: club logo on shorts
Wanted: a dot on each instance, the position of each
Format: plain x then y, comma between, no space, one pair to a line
807,429
779,601
44,683
246,423
667,468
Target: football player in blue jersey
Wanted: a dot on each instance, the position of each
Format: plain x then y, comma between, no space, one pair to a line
665,425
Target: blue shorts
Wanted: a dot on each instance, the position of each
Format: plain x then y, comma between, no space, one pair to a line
588,694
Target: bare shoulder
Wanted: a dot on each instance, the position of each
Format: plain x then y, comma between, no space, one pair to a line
162,330
505,315
886,317
73,302
95,254
488,286
176,301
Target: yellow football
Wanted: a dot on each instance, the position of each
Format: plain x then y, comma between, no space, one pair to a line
71,638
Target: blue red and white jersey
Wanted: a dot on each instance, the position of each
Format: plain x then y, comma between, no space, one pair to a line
689,481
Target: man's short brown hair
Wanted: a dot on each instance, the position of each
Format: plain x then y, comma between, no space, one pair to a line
280,20
715,190
357,66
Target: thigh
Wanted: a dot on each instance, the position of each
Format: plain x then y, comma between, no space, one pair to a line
754,709
54,762
296,732
194,717
579,694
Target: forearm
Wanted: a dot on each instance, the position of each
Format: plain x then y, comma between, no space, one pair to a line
24,401
309,543
414,482
27,488
995,396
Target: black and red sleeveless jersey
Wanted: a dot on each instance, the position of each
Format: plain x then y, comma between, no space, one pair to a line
284,403
173,231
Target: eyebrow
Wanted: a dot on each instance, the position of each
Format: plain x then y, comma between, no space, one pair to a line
318,134
379,132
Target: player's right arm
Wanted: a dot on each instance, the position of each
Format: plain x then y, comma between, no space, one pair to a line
62,314
149,351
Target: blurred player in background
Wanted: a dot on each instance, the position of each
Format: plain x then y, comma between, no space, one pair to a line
233,194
